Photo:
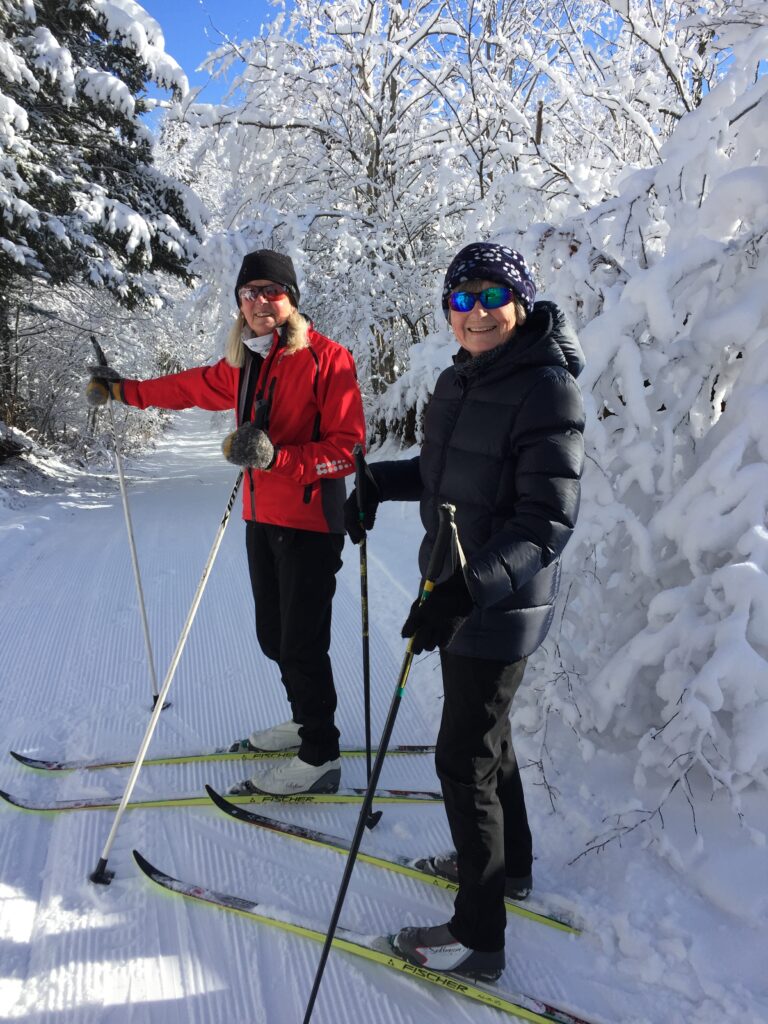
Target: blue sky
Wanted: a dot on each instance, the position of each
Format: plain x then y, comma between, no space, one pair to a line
192,29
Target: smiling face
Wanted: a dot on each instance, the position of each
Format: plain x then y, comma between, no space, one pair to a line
263,315
481,329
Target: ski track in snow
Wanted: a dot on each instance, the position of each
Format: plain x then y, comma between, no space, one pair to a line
75,684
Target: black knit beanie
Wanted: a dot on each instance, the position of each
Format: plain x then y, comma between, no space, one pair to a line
491,262
268,265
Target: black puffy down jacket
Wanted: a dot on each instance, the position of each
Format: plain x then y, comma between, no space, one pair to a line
503,443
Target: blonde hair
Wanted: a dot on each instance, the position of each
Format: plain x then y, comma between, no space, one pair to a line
295,333
235,350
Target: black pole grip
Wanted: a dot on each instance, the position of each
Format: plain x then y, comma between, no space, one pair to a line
100,357
446,531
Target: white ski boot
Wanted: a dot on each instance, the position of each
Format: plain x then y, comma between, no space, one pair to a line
435,948
294,776
284,736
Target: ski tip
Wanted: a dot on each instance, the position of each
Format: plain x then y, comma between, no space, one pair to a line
39,765
162,878
221,802
220,799
27,761
143,863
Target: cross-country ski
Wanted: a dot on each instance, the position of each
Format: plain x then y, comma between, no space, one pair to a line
195,757
532,909
375,949
342,796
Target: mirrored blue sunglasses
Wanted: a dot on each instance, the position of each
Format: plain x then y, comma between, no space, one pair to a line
489,298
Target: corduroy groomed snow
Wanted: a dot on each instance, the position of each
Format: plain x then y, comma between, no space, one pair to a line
491,262
268,265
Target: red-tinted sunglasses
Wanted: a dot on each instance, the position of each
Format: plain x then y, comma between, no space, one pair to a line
251,292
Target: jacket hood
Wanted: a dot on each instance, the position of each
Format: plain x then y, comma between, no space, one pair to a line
560,332
547,338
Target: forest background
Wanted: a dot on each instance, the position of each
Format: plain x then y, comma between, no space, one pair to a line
619,144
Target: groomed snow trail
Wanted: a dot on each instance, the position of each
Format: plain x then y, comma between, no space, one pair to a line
75,684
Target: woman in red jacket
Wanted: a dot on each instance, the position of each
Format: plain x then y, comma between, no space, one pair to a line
299,415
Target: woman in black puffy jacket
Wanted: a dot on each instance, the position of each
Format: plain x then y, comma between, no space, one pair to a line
503,443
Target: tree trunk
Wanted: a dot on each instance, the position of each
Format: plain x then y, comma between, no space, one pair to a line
8,394
383,371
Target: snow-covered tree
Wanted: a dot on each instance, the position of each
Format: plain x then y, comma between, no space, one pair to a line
664,641
80,200
341,152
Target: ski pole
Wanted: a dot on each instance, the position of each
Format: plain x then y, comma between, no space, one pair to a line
446,530
375,816
102,361
100,875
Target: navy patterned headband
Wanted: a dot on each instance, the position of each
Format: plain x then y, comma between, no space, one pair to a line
491,262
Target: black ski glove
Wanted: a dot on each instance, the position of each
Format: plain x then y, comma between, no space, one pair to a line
105,383
249,446
436,621
356,526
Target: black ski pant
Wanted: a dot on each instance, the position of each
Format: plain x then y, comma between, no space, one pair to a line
293,576
483,793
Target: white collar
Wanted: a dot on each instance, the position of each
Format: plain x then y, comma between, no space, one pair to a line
260,345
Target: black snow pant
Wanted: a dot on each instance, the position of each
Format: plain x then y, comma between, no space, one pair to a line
483,793
293,576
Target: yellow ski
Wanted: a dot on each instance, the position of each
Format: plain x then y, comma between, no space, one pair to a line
376,949
108,803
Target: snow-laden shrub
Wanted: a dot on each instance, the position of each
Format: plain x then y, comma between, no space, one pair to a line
664,639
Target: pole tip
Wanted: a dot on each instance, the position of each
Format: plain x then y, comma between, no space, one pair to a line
373,819
101,876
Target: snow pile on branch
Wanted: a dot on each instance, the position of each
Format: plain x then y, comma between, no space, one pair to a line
127,20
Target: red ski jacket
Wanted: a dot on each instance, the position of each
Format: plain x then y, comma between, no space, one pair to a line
315,418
